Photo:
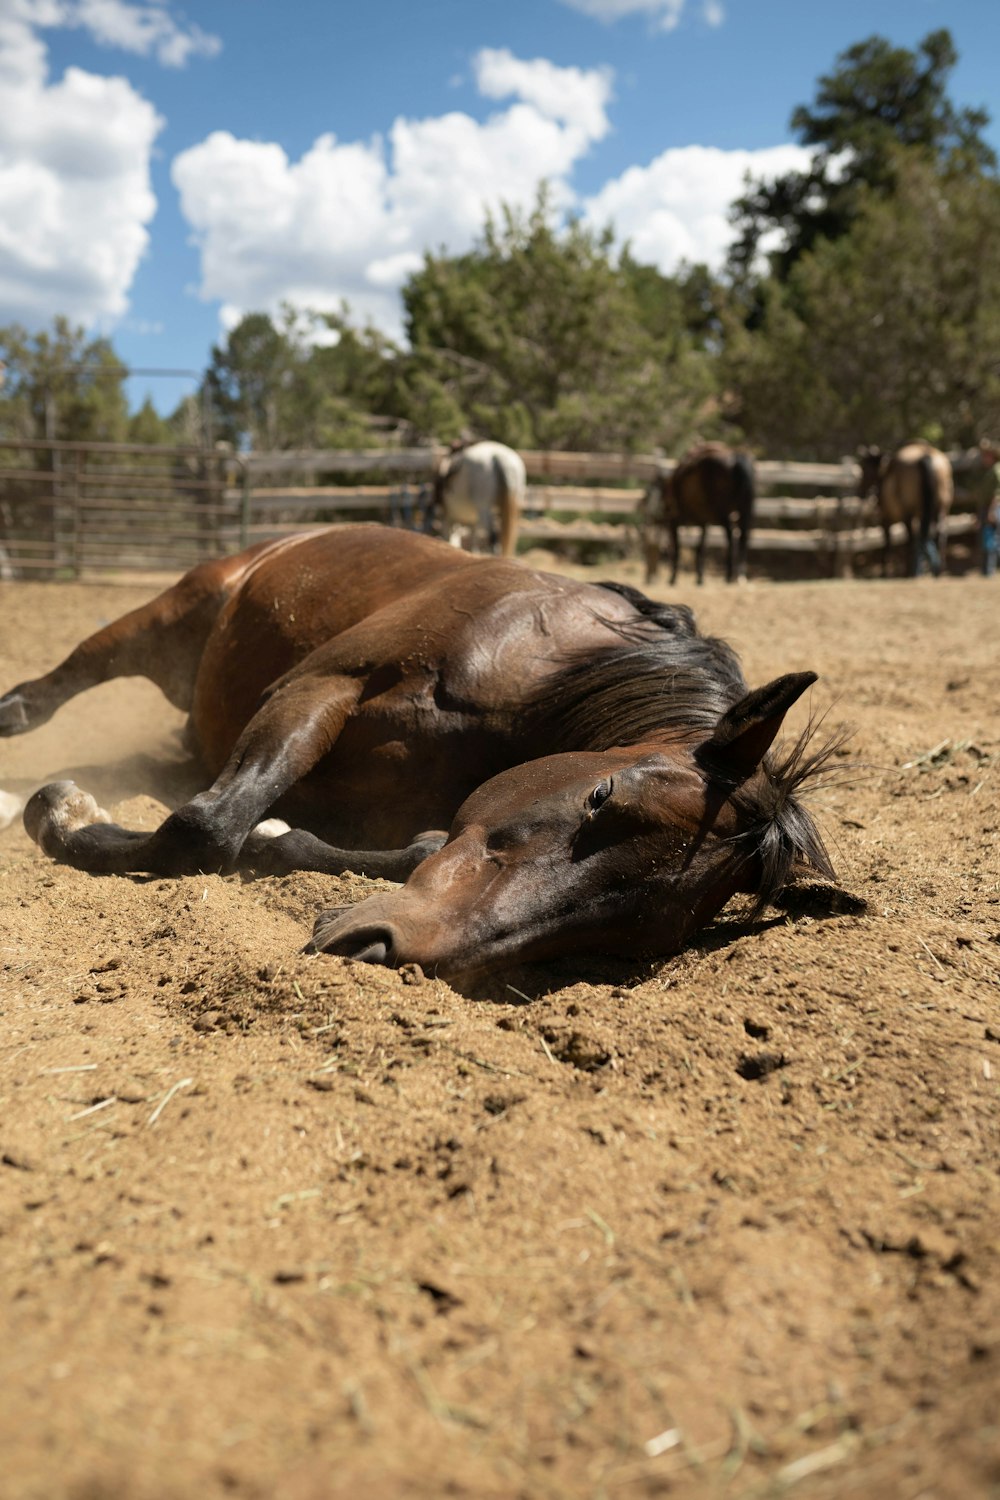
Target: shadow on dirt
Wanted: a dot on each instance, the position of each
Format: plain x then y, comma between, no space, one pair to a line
530,982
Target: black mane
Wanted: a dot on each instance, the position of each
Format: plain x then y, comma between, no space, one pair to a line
661,680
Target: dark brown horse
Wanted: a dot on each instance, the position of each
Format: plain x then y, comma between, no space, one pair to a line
601,767
914,486
711,486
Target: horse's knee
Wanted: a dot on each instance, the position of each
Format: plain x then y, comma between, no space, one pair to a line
197,839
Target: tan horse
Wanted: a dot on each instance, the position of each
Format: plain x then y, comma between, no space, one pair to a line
552,766
913,486
711,486
480,491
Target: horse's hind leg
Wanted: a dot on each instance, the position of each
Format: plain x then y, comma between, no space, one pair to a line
272,848
675,552
162,640
730,552
651,552
700,555
941,544
744,547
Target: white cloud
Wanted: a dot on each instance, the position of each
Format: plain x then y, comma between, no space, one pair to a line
676,208
664,15
350,220
144,27
75,196
574,96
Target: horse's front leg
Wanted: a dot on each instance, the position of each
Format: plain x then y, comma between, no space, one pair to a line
675,551
272,848
293,730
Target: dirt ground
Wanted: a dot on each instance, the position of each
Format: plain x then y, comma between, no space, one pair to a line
726,1225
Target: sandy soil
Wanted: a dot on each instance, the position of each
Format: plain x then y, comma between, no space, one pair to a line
728,1225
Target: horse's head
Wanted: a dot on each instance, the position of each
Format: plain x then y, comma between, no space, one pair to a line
870,463
627,851
658,505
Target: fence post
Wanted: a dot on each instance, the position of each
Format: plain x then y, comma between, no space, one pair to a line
244,505
77,518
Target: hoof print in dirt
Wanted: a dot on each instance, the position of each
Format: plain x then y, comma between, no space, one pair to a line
754,1066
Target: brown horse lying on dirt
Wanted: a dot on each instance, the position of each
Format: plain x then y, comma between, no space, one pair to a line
914,485
711,486
601,766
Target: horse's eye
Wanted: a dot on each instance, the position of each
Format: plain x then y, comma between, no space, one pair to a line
600,794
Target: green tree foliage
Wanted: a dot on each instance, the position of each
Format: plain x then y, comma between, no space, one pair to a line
889,332
307,380
58,384
877,99
147,426
249,383
537,337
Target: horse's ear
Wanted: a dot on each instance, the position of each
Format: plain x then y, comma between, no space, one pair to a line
744,734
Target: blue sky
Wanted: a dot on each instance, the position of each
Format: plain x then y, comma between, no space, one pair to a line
163,169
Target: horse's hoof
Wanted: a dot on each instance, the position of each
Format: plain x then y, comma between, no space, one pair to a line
59,809
13,715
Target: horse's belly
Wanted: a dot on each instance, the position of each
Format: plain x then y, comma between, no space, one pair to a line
381,797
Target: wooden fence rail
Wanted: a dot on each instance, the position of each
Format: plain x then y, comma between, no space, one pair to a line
69,509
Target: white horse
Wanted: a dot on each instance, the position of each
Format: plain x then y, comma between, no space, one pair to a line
476,488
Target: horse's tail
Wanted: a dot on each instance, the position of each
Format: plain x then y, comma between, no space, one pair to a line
510,494
928,496
744,492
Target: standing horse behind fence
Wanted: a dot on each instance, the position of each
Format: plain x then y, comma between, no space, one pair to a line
480,489
914,485
602,767
711,486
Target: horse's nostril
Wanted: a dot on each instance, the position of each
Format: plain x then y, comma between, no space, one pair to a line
374,953
367,945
